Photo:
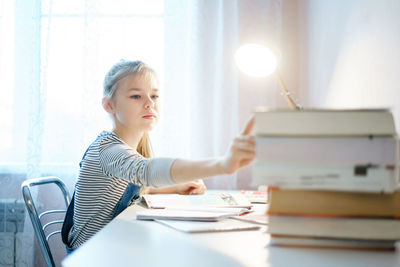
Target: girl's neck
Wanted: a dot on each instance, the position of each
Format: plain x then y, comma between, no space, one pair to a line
129,137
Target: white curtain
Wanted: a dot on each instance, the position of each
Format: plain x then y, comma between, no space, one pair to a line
207,101
51,109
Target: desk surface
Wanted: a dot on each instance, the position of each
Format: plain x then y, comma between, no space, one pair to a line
128,242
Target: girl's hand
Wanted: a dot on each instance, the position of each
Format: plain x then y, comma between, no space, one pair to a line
241,151
191,188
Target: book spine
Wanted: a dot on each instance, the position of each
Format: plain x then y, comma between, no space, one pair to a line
327,243
325,123
336,227
333,203
324,150
324,177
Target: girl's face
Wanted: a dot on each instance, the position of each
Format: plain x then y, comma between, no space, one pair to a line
135,103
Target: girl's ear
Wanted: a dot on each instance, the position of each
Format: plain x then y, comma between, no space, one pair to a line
107,105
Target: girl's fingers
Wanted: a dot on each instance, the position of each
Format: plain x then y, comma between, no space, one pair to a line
245,154
200,189
249,138
245,149
245,145
249,126
245,139
246,162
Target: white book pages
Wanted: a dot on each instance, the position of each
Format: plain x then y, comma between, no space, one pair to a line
325,177
216,200
324,122
336,227
182,215
331,243
328,150
233,211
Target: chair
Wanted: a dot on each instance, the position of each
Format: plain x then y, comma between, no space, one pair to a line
36,219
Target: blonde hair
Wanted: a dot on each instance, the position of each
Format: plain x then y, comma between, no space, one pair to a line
144,147
119,71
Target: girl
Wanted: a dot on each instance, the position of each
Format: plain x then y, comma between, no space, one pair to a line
117,165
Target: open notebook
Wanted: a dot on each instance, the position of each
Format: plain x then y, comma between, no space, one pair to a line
214,200
182,214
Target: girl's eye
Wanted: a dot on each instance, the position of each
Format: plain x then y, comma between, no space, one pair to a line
135,96
154,96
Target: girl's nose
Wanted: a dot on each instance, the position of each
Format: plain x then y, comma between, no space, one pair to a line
149,103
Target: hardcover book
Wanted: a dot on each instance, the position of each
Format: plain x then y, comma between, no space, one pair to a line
336,227
324,122
333,203
331,243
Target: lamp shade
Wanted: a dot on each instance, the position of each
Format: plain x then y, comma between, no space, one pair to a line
255,60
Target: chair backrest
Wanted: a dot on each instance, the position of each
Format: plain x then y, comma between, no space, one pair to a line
40,229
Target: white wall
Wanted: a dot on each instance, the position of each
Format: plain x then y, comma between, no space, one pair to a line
350,53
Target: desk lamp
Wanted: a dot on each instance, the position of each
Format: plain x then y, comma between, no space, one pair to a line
259,61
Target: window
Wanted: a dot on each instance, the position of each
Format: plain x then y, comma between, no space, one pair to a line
6,71
77,42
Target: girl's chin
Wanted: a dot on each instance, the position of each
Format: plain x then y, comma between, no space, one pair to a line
142,127
149,126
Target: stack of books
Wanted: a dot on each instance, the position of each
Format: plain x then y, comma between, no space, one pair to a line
333,219
333,176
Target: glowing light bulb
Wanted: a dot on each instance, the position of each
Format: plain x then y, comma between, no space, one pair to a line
255,60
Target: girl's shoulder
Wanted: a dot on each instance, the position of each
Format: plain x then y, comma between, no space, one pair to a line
108,134
106,138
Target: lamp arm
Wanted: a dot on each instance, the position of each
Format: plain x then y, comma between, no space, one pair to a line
286,92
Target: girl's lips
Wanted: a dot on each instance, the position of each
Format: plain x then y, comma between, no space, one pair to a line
149,117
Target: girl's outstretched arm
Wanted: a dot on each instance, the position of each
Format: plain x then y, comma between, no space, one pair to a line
241,153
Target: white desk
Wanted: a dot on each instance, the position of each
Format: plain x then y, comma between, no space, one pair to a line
127,242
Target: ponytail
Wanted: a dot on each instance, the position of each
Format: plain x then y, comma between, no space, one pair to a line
144,147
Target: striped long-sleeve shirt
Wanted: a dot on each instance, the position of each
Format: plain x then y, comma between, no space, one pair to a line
107,168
